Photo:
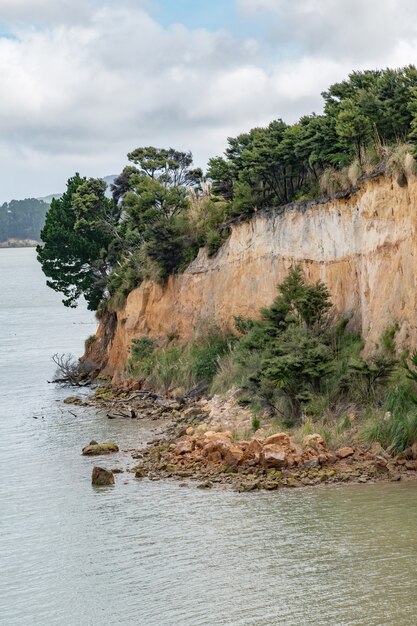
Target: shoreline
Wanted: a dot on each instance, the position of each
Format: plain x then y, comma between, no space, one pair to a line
188,447
19,243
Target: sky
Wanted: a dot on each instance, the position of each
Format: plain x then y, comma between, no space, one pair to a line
84,82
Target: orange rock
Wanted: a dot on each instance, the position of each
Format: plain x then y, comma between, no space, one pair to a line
230,453
189,431
343,453
253,451
280,439
273,456
184,446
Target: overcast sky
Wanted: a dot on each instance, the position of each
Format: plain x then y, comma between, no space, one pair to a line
85,81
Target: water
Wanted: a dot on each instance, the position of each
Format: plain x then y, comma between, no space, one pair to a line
156,554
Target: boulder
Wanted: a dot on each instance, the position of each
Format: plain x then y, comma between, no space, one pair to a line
184,446
273,455
231,454
253,451
279,439
102,477
344,453
95,449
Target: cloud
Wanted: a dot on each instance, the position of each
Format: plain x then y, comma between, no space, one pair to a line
83,95
354,30
79,91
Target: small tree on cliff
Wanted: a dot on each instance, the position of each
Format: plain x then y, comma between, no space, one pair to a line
293,342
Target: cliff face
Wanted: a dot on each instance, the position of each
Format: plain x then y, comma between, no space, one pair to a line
363,247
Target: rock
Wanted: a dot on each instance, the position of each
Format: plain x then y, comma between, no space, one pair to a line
312,463
411,465
95,449
380,461
102,477
314,441
395,477
253,451
273,456
205,485
117,470
231,454
344,453
279,439
414,450
407,454
73,400
184,446
189,431
140,473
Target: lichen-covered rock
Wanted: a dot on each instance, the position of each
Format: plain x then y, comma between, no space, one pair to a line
102,477
95,449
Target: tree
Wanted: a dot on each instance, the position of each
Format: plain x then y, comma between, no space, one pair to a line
353,126
293,343
77,235
171,167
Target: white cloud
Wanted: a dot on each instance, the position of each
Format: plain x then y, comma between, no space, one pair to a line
81,91
356,29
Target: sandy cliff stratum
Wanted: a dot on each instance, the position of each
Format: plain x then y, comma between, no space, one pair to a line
363,246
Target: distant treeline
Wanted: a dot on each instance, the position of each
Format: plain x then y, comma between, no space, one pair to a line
22,219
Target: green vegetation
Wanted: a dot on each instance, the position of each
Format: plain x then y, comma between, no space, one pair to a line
296,366
303,368
22,219
159,216
364,117
180,366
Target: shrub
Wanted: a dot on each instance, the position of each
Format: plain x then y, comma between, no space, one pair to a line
90,341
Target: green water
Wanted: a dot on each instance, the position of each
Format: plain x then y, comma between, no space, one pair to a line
155,554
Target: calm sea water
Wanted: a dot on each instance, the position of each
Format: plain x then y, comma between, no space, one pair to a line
155,554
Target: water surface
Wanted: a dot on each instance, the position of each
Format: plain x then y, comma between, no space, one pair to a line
153,553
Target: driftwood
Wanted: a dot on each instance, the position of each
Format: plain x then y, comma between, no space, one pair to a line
72,372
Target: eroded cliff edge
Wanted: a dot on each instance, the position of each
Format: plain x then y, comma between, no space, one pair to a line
362,246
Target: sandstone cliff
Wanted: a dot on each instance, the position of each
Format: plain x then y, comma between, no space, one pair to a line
363,247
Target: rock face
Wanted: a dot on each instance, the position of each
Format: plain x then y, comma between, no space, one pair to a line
102,477
364,247
95,449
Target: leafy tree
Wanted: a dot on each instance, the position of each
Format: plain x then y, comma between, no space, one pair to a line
353,126
78,232
294,343
171,167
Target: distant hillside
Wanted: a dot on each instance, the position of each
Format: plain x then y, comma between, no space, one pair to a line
24,219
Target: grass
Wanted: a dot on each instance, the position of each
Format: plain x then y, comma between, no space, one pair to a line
180,366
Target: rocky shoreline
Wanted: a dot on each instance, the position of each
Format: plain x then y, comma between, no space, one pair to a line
195,445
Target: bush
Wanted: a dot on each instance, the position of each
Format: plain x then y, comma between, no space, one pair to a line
182,366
